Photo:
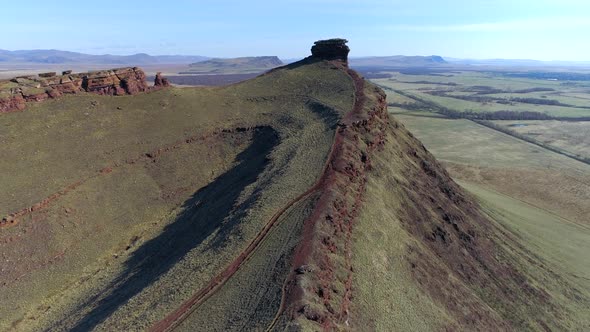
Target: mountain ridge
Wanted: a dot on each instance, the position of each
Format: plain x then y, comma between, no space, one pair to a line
53,56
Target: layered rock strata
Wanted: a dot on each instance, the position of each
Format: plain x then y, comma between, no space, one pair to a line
331,49
14,94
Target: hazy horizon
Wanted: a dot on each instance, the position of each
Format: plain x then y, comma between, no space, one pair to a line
545,30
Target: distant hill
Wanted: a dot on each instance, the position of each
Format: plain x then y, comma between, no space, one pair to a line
517,63
235,65
398,61
66,57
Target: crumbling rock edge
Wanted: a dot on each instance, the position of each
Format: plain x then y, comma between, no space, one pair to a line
320,287
16,93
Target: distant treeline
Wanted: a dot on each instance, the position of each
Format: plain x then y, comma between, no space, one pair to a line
429,82
560,76
481,97
472,115
374,75
486,90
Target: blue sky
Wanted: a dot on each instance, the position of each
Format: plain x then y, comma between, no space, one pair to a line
532,29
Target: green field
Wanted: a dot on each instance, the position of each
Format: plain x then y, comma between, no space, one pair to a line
573,137
477,92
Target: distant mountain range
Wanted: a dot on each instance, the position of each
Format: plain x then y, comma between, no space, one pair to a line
57,57
66,57
516,63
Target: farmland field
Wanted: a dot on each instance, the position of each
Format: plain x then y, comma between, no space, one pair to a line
573,137
488,92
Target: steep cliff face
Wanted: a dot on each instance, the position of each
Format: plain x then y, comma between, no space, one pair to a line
115,82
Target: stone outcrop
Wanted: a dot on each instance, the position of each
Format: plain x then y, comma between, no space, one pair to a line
331,49
115,82
161,81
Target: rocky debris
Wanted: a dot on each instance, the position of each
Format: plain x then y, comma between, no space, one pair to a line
8,219
303,269
11,103
49,74
161,81
115,82
331,49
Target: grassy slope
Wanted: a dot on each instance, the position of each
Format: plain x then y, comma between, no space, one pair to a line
392,294
100,135
511,166
523,189
558,240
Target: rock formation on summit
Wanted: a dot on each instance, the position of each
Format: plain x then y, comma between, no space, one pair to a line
331,49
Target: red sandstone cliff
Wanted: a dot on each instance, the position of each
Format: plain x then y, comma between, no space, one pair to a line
115,82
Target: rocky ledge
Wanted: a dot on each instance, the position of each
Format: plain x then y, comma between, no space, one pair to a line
14,94
331,49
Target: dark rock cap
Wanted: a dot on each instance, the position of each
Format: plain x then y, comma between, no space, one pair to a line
331,49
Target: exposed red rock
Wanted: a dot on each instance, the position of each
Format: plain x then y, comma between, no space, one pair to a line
161,81
114,82
12,103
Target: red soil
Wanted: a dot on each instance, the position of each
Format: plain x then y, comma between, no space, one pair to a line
328,231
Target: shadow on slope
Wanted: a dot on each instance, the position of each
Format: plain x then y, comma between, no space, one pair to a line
203,214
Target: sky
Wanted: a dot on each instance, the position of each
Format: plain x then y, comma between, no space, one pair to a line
477,29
